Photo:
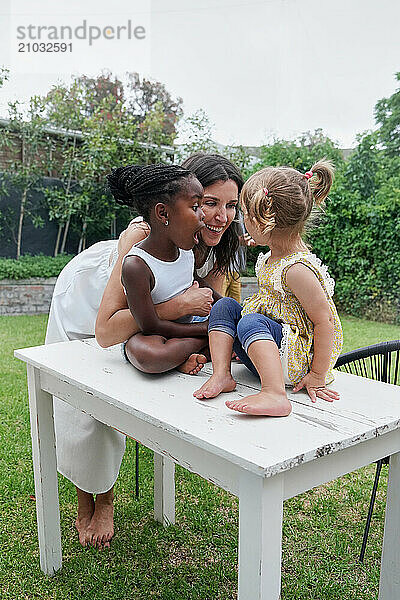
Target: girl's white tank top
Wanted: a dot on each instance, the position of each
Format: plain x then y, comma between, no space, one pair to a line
171,278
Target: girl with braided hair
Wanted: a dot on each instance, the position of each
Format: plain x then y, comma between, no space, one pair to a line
161,266
289,332
88,452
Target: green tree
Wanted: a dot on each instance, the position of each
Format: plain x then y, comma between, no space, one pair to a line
143,98
61,200
4,75
28,148
359,234
108,137
300,153
387,116
196,130
69,106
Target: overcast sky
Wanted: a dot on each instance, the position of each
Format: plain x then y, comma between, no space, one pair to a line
258,68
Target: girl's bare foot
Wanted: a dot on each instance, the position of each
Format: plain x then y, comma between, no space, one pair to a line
101,528
85,514
215,385
263,403
193,364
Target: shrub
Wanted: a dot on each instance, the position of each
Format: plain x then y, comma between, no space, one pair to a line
33,266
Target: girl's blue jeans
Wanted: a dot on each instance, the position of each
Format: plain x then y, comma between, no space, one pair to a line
226,316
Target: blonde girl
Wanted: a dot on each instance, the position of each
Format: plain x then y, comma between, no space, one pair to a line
289,332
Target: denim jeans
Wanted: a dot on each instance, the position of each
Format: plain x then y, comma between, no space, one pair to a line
226,316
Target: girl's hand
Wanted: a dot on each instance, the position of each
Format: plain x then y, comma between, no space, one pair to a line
247,240
316,388
198,300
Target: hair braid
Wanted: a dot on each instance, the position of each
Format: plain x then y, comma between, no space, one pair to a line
141,186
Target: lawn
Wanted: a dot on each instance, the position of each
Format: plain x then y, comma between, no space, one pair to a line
196,558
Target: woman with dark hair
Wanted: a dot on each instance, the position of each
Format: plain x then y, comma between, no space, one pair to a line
88,452
213,171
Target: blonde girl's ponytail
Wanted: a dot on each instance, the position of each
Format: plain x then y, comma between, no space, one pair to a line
322,179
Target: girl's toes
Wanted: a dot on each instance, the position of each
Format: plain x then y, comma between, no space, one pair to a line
232,404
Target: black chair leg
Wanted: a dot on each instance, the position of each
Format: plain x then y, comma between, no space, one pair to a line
137,469
371,509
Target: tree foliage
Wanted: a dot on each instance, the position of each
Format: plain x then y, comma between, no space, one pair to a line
27,148
97,126
109,136
4,74
69,105
145,96
387,116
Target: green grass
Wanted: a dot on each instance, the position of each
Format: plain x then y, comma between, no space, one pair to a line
196,558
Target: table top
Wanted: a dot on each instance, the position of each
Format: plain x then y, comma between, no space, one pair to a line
366,409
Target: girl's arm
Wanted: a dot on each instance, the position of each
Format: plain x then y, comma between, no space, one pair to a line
137,279
308,290
115,323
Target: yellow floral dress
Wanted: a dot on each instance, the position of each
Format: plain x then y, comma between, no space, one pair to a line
275,300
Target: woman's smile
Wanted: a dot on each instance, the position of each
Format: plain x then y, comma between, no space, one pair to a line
216,230
219,207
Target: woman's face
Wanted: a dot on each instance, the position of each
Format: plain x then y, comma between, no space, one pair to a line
219,208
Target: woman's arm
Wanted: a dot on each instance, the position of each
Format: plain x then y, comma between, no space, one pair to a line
137,280
308,290
215,280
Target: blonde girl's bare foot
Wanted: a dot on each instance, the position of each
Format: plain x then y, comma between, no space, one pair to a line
263,403
193,364
101,528
216,385
84,517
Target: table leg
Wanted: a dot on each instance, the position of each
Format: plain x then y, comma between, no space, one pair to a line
260,537
389,587
164,490
45,473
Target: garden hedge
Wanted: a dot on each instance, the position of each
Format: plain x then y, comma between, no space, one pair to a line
33,266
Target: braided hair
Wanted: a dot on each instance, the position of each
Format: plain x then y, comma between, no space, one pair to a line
210,169
140,187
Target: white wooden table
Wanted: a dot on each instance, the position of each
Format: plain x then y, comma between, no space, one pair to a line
263,461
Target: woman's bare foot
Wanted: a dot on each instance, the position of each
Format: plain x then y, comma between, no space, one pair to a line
82,524
193,364
85,514
101,528
215,385
263,403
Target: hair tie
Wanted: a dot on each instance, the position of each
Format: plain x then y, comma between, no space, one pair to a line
308,175
265,190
